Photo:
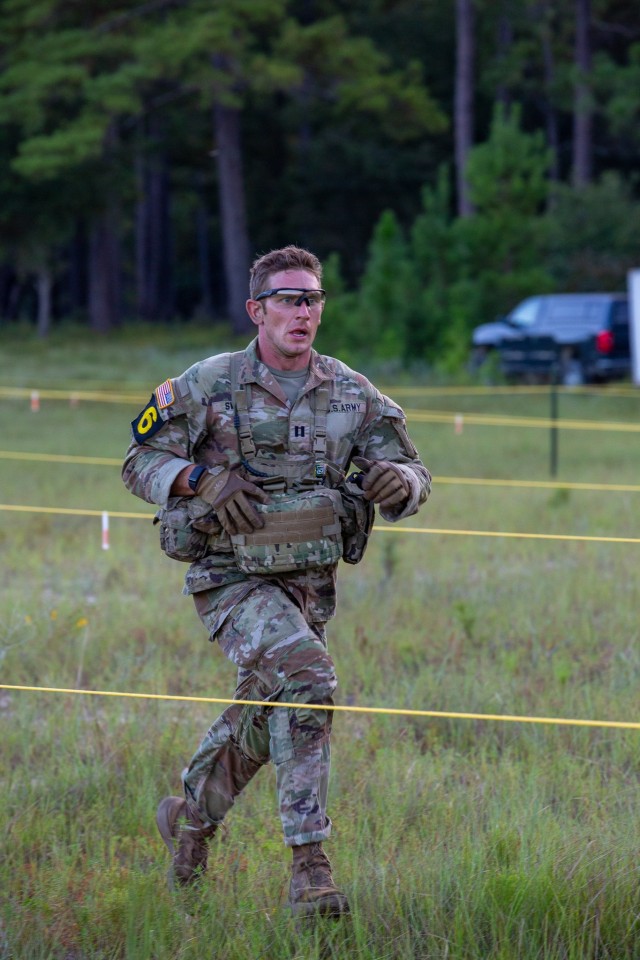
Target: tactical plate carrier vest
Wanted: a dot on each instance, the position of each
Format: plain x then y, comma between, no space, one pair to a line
315,517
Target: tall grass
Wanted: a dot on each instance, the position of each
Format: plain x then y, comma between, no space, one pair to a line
474,840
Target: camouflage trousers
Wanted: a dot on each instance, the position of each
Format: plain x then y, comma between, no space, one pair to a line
280,657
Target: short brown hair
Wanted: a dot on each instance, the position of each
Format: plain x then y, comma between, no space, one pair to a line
287,258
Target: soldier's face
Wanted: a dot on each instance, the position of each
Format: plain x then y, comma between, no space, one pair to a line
286,330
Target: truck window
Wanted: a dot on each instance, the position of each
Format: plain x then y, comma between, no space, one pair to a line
526,313
575,313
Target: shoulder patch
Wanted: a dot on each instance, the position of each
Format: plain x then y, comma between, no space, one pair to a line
148,422
164,395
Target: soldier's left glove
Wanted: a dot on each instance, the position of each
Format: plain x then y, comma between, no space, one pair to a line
231,496
383,482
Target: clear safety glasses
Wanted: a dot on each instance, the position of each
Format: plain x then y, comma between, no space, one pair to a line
295,297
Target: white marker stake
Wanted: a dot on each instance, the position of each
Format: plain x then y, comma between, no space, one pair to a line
74,400
35,401
459,422
105,530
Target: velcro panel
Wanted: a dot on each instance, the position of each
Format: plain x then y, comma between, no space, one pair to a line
291,528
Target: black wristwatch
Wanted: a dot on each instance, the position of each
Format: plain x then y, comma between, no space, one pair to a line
195,475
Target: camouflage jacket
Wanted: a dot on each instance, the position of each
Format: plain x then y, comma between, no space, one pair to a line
190,419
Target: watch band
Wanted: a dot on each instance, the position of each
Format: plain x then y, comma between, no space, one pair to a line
195,475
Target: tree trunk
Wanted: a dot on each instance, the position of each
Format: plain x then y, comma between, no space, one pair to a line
7,285
548,72
77,272
582,111
304,144
205,307
140,236
504,43
14,298
235,238
104,273
463,107
44,283
154,266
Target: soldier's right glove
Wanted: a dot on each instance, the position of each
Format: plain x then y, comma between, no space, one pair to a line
229,496
383,482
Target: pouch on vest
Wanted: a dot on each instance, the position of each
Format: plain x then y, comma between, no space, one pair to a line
357,522
302,531
188,525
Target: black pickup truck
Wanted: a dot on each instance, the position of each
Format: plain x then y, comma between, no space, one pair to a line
576,337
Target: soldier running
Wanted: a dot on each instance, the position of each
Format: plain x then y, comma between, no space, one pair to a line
247,456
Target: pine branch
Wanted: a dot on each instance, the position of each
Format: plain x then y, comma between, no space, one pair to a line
153,6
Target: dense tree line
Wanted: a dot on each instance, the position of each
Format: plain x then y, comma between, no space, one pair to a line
447,157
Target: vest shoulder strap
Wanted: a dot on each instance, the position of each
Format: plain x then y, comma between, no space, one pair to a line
241,399
321,409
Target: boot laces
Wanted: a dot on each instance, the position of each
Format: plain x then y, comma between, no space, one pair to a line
315,864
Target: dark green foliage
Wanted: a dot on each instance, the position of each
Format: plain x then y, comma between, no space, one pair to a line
433,255
346,140
593,235
502,245
420,300
386,291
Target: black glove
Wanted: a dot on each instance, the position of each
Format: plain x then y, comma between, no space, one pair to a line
229,495
383,482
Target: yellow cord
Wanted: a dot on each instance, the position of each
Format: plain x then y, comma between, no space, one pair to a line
392,711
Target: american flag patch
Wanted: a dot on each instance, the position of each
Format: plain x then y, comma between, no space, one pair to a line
164,394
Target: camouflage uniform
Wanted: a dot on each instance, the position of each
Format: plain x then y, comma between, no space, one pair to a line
271,627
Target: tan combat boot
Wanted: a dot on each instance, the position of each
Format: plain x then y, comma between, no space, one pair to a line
186,838
312,890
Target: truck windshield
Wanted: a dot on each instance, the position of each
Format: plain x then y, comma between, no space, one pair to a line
526,313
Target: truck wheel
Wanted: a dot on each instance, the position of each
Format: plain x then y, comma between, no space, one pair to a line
478,357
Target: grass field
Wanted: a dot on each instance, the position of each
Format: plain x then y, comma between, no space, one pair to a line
454,838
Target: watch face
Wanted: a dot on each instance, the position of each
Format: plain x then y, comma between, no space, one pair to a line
194,476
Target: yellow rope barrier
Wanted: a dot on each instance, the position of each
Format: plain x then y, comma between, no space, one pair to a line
424,416
497,420
76,511
390,711
117,395
542,484
99,396
469,481
480,390
517,535
59,458
509,534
